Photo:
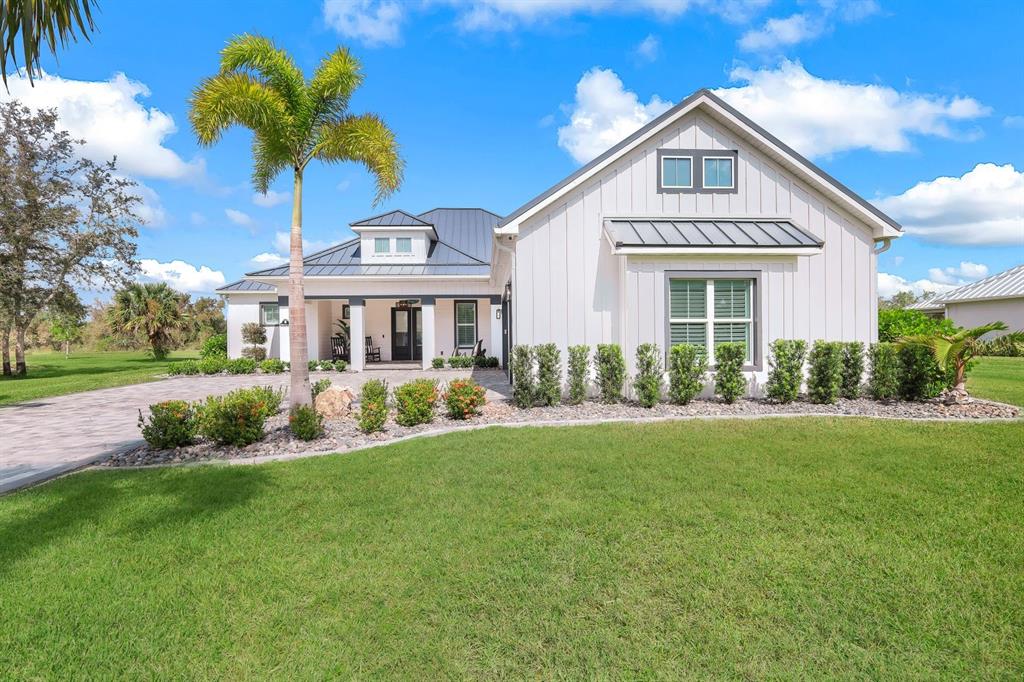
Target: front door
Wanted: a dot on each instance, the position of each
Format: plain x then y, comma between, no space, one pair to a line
406,334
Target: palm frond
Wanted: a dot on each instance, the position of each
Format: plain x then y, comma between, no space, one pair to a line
237,99
271,156
55,22
335,79
256,55
365,139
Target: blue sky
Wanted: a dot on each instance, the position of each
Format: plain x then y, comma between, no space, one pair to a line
918,106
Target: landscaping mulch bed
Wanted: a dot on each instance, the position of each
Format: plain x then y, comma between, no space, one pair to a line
342,434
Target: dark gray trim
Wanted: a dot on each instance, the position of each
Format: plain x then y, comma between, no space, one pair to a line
755,309
263,304
360,300
697,171
495,300
455,322
670,114
427,300
357,301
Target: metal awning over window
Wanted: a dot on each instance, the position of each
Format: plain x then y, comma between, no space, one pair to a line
645,235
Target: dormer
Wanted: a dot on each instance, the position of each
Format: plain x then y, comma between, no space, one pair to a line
394,237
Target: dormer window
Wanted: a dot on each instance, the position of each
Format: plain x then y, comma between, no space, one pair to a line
403,245
677,172
718,172
382,245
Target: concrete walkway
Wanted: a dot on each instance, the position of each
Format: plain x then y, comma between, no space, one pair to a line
51,436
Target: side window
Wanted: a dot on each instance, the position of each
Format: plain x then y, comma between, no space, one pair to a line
465,324
403,245
270,314
718,172
381,245
676,171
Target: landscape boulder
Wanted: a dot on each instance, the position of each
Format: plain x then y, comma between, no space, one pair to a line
335,402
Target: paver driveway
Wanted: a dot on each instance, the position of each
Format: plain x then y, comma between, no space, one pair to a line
47,437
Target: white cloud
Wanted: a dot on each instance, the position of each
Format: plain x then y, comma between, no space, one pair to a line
344,185
271,198
181,275
372,22
268,260
150,209
603,114
113,122
648,48
889,285
984,206
197,218
282,244
1013,121
801,27
238,217
897,260
961,274
818,117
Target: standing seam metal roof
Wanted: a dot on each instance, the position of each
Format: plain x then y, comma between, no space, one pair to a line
709,233
1006,284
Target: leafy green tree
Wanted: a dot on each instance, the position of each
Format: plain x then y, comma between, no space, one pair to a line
67,327
955,351
55,22
294,121
151,311
895,323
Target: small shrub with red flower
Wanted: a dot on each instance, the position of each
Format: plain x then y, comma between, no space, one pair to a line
305,422
171,424
464,398
238,417
373,406
414,402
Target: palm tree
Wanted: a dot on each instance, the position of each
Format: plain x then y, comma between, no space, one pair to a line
151,311
954,351
293,122
58,22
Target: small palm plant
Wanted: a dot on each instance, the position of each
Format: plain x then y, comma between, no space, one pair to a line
954,352
152,311
294,121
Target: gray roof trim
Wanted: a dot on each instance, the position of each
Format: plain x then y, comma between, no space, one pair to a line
704,92
246,286
712,233
395,218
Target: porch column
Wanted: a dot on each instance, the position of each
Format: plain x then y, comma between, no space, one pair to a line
429,337
497,324
357,334
284,335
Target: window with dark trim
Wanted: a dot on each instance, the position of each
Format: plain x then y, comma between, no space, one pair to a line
710,312
270,314
465,324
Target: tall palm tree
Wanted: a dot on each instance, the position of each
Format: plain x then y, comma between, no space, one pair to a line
293,122
955,351
57,22
152,311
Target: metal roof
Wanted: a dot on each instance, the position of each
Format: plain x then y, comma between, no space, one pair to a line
246,285
1006,284
671,113
708,233
391,219
928,304
463,247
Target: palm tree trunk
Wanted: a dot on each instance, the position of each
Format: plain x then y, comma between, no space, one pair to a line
298,355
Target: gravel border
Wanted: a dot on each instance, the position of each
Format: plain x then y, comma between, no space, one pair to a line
342,435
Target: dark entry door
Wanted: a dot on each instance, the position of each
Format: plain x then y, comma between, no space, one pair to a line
406,334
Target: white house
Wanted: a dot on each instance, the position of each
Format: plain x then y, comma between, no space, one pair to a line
700,227
999,298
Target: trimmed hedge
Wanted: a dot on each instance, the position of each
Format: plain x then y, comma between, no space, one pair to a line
579,364
729,381
610,369
884,380
437,363
272,366
238,417
415,402
460,361
787,370
648,381
853,369
687,370
241,366
524,385
549,374
373,406
212,365
920,375
825,372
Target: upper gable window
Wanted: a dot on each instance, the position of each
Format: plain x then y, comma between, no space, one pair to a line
381,245
403,245
677,171
719,172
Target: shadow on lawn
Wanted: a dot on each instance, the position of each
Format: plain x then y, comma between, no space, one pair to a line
134,504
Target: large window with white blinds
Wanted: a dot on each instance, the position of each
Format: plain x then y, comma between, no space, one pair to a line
709,312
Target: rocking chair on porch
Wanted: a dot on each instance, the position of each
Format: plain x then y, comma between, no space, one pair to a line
372,353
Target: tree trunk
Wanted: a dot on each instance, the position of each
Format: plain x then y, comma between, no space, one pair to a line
67,349
19,352
5,349
298,355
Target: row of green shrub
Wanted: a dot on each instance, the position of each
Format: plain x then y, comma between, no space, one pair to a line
215,364
537,373
237,418
416,400
465,362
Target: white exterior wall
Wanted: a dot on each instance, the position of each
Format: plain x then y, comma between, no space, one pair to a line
977,313
420,245
243,308
569,288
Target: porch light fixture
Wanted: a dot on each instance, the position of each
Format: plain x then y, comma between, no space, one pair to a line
284,322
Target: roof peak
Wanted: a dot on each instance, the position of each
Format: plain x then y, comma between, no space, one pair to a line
394,217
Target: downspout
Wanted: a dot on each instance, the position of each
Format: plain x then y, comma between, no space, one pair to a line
886,243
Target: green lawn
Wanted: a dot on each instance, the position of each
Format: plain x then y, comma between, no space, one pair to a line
815,548
999,379
51,374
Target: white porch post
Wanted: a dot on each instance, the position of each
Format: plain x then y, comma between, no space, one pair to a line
284,338
429,337
497,338
357,335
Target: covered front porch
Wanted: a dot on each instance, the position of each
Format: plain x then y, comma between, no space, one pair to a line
378,331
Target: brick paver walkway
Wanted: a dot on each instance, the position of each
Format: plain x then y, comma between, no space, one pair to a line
47,437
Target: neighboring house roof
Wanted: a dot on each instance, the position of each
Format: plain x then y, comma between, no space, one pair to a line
927,305
463,248
715,102
739,234
391,218
245,285
1006,284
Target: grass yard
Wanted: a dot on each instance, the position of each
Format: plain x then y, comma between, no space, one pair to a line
746,549
51,374
999,379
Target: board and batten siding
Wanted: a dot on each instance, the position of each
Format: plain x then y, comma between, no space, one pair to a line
569,288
